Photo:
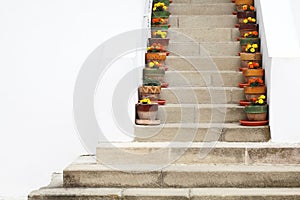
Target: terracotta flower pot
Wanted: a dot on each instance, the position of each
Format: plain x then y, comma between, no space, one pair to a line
150,92
164,42
241,2
253,73
246,14
248,27
256,112
254,92
154,74
156,56
147,111
245,41
244,63
251,56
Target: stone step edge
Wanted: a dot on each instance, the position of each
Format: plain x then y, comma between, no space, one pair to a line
55,189
246,145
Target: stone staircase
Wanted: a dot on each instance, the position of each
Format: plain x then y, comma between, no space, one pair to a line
199,151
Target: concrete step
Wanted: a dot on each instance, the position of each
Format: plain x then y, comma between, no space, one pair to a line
200,1
196,63
155,153
202,21
203,34
195,132
201,113
202,9
59,193
204,78
202,95
204,48
91,174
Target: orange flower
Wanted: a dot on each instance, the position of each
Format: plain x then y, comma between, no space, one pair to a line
254,99
260,81
255,33
256,64
245,7
155,20
252,8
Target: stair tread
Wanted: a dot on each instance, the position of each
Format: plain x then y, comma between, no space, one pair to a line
201,125
248,145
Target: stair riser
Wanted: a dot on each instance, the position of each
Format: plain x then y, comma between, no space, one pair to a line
204,79
201,115
202,96
204,49
203,35
203,21
205,9
203,64
188,179
182,134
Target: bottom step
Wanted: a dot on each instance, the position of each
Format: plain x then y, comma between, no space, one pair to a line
55,191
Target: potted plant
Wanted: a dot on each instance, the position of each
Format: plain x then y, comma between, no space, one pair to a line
156,47
160,9
156,74
159,33
159,22
151,89
255,88
252,73
166,2
245,8
243,2
250,48
250,34
146,110
250,65
257,110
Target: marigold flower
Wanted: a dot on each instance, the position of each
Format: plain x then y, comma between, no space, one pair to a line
245,21
245,7
260,101
255,46
252,50
262,97
255,33
252,8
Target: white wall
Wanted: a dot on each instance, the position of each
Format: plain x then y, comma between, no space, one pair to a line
43,45
280,43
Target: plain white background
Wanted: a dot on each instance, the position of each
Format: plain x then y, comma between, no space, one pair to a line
43,44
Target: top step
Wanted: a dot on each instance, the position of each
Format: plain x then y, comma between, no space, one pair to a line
201,1
202,9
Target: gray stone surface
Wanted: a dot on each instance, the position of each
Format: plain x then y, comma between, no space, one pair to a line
215,63
204,21
202,9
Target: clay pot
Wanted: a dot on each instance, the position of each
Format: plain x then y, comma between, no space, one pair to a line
248,27
150,92
241,2
256,112
147,111
156,56
163,42
254,92
251,56
154,74
253,73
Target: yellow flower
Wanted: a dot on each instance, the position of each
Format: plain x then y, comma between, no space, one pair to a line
262,97
249,18
148,48
260,101
246,35
252,50
156,62
148,101
165,7
255,46
245,21
159,31
162,20
248,46
154,9
151,64
253,20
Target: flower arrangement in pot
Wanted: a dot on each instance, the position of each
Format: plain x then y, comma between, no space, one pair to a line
151,89
255,60
250,34
255,88
146,110
160,9
159,33
166,2
258,109
250,65
250,48
252,73
243,2
245,8
159,22
246,15
156,47
156,64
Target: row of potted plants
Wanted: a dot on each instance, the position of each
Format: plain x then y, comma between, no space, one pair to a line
256,107
155,67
